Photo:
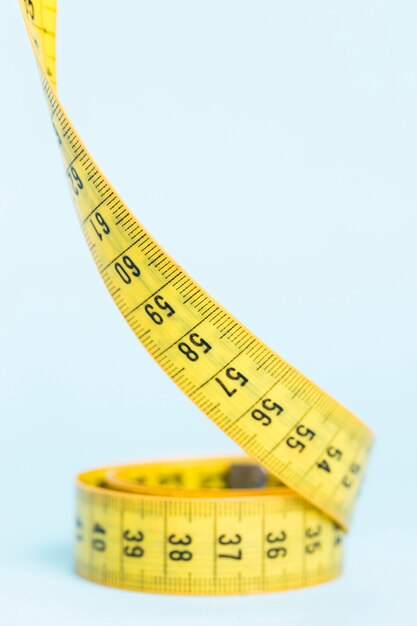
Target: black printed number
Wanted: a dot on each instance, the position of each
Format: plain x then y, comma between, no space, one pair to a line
338,534
100,225
133,549
180,555
269,405
347,481
333,453
30,9
79,528
233,374
126,269
163,305
275,552
76,182
98,542
305,433
235,540
313,534
198,342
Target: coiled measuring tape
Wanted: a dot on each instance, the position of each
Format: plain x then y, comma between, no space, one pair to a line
271,521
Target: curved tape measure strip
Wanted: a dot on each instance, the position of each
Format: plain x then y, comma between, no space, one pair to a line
300,434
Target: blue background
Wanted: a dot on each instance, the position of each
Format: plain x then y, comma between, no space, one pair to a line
270,146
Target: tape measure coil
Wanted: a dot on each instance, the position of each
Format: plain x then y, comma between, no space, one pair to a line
291,428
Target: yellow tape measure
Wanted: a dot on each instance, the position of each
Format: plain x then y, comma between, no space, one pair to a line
217,526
